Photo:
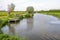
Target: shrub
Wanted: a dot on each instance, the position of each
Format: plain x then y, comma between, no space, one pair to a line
8,37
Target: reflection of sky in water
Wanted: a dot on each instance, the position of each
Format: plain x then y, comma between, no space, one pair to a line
38,24
5,29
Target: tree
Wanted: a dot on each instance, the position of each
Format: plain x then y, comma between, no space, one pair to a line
11,8
30,9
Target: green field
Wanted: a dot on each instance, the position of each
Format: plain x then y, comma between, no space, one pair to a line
53,13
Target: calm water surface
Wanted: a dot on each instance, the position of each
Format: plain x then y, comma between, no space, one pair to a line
40,26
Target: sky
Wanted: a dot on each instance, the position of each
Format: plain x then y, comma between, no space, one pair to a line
21,5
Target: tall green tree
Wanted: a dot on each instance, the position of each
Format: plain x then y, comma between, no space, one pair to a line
30,9
11,8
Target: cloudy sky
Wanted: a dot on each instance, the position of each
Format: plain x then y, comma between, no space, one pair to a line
37,4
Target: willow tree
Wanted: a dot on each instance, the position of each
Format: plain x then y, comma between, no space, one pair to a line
30,9
11,8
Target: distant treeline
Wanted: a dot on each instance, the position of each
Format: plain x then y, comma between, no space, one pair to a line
54,10
13,11
16,11
49,11
37,11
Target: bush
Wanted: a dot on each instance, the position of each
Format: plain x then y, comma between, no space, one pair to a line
8,37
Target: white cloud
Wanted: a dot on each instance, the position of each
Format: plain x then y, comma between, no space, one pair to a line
37,4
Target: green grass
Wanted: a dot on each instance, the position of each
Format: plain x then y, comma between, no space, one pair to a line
3,20
56,14
8,37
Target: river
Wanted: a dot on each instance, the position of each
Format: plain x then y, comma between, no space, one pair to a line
40,27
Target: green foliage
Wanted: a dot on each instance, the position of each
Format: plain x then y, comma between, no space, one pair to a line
30,9
12,15
53,13
3,13
3,21
8,37
28,15
11,7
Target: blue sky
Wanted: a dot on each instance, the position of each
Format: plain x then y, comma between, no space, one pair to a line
37,4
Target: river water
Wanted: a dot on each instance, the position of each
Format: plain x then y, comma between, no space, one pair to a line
40,27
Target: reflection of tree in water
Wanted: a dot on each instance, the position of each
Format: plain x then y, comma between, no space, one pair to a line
29,24
11,29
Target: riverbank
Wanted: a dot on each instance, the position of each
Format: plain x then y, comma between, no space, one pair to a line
53,13
5,17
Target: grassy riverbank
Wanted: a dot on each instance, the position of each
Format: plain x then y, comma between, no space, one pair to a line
4,17
53,13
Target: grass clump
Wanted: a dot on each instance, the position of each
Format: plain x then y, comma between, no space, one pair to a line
8,37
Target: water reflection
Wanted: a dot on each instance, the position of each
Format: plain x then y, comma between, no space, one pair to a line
11,28
30,24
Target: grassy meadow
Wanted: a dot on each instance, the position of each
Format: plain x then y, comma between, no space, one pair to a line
53,13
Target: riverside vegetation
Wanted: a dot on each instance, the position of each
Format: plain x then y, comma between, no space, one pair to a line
5,16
